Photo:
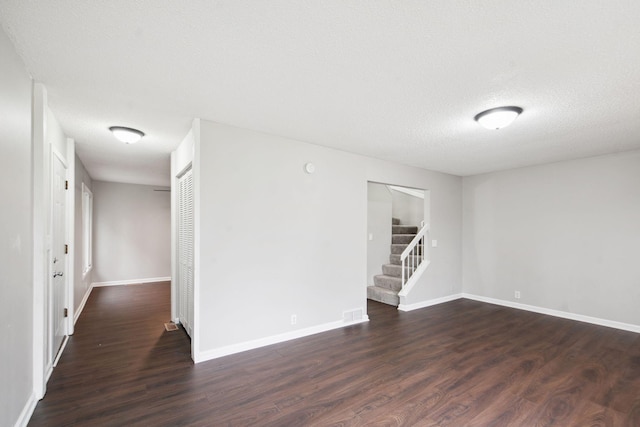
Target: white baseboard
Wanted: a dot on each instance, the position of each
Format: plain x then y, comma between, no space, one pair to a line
78,311
65,340
275,339
428,303
556,313
27,411
130,282
535,309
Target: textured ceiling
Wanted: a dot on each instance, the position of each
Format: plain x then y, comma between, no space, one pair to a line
398,80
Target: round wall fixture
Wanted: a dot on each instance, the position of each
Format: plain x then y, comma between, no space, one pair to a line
309,168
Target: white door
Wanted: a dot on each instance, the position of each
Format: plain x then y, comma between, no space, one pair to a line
185,251
57,289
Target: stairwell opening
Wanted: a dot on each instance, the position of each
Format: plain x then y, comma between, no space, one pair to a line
394,215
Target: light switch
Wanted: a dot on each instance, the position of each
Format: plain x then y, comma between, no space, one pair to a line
370,236
434,243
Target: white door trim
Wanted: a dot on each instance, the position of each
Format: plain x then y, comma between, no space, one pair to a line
70,228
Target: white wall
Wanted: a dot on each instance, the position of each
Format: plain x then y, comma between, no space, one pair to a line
132,232
16,337
54,134
275,241
379,214
81,284
183,155
408,209
565,235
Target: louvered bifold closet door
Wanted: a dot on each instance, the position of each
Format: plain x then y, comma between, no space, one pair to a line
189,249
185,250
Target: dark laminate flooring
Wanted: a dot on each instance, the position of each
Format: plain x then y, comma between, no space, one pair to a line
462,363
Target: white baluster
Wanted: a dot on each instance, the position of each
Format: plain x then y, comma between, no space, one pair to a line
402,271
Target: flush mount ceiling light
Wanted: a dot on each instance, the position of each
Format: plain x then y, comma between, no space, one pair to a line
126,135
497,118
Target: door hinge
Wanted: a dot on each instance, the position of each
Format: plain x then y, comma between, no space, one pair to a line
66,249
66,185
66,312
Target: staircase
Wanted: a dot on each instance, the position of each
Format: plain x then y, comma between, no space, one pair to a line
389,283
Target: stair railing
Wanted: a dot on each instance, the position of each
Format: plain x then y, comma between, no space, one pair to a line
414,259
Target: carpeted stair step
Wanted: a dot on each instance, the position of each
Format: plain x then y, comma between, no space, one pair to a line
388,282
395,259
398,248
383,295
395,270
404,229
402,238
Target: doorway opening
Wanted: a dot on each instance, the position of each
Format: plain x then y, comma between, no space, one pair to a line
396,215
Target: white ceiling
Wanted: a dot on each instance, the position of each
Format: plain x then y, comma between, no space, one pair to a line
398,80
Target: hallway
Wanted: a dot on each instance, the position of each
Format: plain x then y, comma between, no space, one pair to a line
119,361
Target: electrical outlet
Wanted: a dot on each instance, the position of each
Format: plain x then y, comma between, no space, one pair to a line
434,243
517,294
294,319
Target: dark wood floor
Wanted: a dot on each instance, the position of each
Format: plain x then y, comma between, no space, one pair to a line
462,363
